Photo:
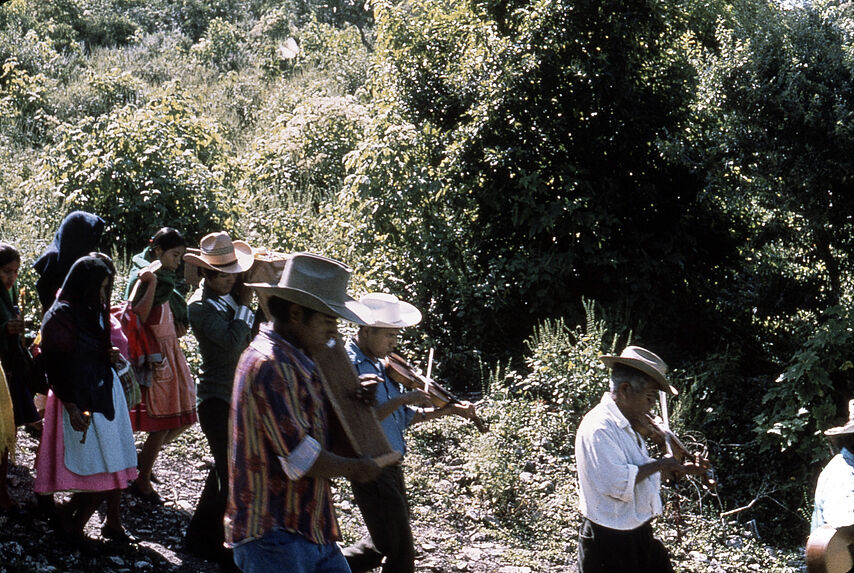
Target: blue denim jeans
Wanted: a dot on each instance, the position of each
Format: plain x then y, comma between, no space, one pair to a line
284,551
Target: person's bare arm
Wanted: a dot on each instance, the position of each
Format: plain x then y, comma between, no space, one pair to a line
412,398
148,281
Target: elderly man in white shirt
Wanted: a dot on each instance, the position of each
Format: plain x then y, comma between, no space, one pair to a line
619,481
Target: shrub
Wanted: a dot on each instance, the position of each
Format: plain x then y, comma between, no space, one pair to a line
337,52
98,92
142,168
23,106
563,366
812,393
306,146
221,46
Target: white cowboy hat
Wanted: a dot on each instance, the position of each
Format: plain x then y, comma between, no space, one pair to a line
389,311
647,362
848,428
317,283
218,252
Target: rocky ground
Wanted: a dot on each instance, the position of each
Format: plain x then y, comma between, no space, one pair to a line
455,529
28,544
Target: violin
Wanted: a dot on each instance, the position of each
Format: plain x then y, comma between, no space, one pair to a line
650,428
405,374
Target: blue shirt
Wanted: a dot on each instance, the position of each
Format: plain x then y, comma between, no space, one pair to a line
834,494
396,422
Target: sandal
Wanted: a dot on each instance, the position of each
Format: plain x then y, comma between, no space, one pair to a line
151,497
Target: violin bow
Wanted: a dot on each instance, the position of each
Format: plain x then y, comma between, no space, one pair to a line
428,379
665,421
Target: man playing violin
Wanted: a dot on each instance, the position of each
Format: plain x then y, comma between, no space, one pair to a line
619,482
383,502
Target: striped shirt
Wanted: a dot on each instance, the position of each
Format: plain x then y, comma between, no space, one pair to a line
278,428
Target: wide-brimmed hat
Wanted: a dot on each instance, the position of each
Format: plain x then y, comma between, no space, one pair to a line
647,362
218,252
389,311
317,283
848,428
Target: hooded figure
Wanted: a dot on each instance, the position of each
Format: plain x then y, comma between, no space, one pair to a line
78,235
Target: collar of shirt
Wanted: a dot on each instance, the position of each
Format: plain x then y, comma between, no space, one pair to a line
614,411
269,335
358,357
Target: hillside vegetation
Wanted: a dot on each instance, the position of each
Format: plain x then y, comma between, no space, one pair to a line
546,179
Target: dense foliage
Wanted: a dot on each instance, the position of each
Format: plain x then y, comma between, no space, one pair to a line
686,164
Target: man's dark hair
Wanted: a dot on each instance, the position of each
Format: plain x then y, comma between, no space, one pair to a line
280,308
208,273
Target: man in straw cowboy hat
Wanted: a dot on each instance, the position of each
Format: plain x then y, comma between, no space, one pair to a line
383,502
618,480
222,322
834,494
280,515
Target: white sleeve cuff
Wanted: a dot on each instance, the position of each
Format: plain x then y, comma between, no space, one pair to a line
629,492
245,314
301,459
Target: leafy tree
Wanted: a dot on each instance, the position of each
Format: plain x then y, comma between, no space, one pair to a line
543,170
776,105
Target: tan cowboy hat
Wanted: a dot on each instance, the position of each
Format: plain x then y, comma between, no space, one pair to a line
218,252
647,362
848,428
389,311
317,283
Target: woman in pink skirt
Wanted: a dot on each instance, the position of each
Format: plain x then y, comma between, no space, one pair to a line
87,443
168,405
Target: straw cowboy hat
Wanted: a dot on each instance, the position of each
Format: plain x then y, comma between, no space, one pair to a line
389,311
317,283
848,428
218,252
647,362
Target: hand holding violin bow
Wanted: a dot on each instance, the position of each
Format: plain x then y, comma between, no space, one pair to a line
683,461
441,399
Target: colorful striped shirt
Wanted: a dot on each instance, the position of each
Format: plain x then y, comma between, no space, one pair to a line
278,427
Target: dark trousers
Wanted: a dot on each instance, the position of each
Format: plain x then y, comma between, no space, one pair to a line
604,550
205,531
386,513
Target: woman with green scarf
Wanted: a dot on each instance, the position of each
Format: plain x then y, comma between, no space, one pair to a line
168,406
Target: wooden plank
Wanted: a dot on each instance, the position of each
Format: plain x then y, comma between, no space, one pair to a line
357,420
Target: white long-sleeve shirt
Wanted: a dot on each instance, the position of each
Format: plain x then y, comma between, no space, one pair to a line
608,453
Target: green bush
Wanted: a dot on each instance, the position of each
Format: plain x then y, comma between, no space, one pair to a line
24,109
336,52
141,168
813,391
305,147
221,46
97,92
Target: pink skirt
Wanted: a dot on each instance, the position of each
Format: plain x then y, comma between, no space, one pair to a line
51,473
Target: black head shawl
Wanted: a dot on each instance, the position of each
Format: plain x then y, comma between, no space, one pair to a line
82,292
76,339
78,234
